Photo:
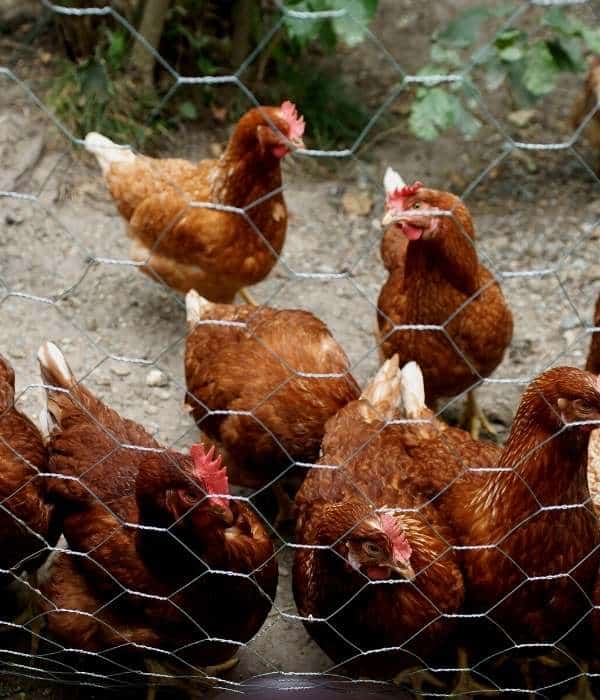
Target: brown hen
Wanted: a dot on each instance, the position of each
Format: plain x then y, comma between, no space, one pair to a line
263,382
522,514
373,571
585,109
593,365
29,525
437,281
115,478
179,214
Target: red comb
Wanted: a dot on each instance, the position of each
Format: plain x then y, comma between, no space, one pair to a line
210,472
400,545
406,191
295,123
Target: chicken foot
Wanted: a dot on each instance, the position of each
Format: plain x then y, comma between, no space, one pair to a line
466,684
247,297
583,687
187,685
474,418
416,676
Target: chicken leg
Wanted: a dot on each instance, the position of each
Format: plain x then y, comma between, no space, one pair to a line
247,297
474,418
189,686
583,687
416,676
466,684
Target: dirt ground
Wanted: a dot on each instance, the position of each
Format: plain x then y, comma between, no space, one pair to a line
64,271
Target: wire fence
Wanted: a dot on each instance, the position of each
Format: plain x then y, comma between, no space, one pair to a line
417,556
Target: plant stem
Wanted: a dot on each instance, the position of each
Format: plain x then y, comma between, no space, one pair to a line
240,39
151,28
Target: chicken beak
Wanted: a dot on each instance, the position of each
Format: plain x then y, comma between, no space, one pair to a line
298,144
390,217
405,570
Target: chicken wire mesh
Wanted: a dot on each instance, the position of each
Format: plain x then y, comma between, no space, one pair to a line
76,283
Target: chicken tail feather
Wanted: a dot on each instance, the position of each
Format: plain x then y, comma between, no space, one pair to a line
55,373
195,307
7,384
412,391
106,151
384,391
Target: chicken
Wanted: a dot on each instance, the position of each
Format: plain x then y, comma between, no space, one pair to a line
593,360
157,585
585,110
593,365
29,526
263,382
437,281
522,514
215,226
373,571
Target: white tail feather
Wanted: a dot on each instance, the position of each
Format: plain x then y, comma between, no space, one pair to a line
383,391
392,181
54,367
413,390
44,573
55,373
195,307
107,152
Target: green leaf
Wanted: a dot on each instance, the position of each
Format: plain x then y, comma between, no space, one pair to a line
560,22
511,53
187,110
350,28
592,39
436,111
466,122
302,30
567,54
509,37
494,75
93,80
541,69
464,30
117,47
445,56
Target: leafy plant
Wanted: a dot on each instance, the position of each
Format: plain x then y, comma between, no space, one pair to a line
528,65
96,94
101,91
348,28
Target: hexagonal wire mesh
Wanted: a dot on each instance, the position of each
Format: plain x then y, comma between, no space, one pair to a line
120,599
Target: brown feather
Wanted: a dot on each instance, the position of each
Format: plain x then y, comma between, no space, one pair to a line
429,282
254,369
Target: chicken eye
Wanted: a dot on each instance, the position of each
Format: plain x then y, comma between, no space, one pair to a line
371,549
416,205
582,406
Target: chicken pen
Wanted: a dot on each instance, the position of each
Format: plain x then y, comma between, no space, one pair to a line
300,371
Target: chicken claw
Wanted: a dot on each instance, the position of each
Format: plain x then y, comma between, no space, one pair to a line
247,297
466,684
416,677
474,418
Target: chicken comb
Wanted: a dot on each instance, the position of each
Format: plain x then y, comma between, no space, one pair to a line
210,472
400,545
295,122
407,191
